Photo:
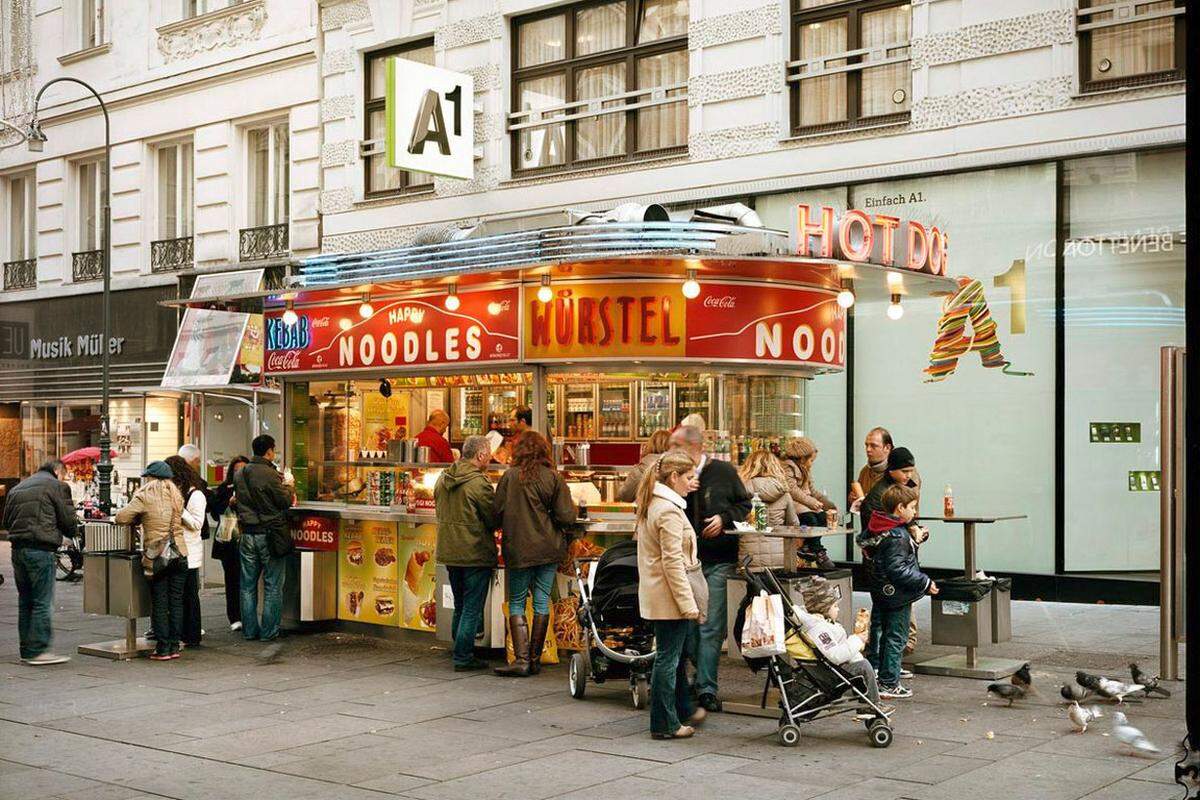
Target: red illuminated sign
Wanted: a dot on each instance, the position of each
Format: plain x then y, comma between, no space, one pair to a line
314,532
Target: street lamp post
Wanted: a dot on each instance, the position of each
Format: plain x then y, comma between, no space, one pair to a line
36,139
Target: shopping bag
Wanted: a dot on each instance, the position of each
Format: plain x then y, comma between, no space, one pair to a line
227,529
763,635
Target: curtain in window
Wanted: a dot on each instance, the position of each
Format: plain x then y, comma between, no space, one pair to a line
599,28
541,41
259,141
663,126
282,182
603,136
168,192
544,146
89,192
16,220
823,99
185,189
662,19
1139,48
882,86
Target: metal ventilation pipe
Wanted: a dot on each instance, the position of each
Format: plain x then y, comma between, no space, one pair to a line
439,234
733,213
628,212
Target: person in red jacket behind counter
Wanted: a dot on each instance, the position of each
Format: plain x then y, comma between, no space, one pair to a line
434,437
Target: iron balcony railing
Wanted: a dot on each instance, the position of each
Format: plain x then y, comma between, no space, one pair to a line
87,266
20,274
267,241
169,255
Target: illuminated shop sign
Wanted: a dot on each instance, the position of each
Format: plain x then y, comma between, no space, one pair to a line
864,237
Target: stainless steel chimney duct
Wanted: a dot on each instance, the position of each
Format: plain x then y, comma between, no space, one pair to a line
733,213
627,212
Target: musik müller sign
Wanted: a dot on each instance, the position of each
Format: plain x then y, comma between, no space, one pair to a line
430,119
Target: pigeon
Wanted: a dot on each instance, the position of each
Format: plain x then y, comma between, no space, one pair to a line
1022,677
1088,681
1080,716
1131,736
1115,690
1007,691
1150,683
1073,694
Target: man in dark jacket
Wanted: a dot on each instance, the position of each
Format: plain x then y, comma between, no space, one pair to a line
902,469
38,515
721,500
263,500
466,545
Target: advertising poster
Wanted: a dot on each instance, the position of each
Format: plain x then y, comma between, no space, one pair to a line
368,575
384,419
418,576
248,368
205,349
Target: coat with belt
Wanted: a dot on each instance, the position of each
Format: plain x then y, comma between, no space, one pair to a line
666,551
767,551
534,510
156,507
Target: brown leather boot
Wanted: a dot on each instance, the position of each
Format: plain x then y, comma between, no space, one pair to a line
537,640
519,630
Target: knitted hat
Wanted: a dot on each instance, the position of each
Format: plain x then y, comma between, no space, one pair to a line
819,595
901,458
800,447
158,469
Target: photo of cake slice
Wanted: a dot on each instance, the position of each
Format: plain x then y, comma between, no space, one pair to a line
354,553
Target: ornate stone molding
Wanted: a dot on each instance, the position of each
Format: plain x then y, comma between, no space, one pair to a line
334,16
367,241
427,8
1010,35
487,77
485,178
338,107
334,201
225,28
742,140
992,102
735,27
337,154
469,31
745,82
488,127
334,62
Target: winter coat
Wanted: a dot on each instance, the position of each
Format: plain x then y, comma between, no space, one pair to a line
666,551
767,551
628,491
830,638
193,519
874,499
466,514
807,498
263,500
39,512
533,512
721,493
220,502
894,576
157,507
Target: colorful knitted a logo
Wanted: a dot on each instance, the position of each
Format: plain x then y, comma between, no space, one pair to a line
952,343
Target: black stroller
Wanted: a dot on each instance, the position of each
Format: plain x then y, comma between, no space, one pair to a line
812,687
618,643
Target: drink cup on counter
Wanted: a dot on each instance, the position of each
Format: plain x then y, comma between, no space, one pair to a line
831,517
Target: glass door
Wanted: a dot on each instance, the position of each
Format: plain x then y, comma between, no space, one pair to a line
615,408
694,397
467,418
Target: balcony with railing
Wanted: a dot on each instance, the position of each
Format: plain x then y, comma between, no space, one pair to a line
267,241
20,274
169,255
87,266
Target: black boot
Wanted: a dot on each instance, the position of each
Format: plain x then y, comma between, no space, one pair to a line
519,630
537,640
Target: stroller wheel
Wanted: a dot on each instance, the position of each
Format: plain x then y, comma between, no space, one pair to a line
880,733
789,735
639,687
577,675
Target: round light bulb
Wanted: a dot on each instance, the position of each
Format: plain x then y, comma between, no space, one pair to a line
895,311
365,309
290,317
545,294
691,288
845,298
494,308
345,324
452,302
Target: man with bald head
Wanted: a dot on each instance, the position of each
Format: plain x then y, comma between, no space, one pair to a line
434,437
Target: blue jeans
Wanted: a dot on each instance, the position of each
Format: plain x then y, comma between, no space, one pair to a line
670,702
708,637
257,560
520,581
33,571
470,587
889,634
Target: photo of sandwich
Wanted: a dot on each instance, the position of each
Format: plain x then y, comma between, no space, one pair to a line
354,553
385,556
354,602
385,606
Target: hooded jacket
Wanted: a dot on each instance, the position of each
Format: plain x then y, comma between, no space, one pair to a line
767,551
895,576
39,512
466,514
156,507
533,511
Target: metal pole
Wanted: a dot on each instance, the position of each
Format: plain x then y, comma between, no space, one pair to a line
1166,573
539,400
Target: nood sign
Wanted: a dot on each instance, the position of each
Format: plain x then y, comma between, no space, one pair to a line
430,119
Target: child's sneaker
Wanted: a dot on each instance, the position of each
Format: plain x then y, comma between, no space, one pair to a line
895,692
906,674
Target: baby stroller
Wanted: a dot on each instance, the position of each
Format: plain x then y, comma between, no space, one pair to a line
618,643
813,687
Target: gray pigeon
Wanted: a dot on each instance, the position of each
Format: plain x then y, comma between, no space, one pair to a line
1074,694
1150,683
1131,736
1007,691
1080,716
1115,690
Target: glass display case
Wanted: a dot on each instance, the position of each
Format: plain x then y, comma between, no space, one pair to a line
693,395
467,417
654,408
579,411
616,407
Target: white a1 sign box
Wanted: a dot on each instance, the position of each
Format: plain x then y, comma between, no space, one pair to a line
430,119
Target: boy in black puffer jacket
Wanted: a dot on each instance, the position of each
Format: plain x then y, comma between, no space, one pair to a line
896,583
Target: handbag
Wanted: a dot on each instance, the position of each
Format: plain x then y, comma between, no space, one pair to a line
699,584
764,635
227,528
167,559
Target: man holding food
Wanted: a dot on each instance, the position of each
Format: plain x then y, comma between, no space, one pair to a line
466,544
263,499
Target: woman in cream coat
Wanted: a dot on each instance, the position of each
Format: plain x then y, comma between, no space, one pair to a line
666,553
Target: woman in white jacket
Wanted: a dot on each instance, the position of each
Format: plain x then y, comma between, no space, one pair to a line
194,518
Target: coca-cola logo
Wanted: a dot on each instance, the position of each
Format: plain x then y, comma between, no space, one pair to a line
728,301
283,360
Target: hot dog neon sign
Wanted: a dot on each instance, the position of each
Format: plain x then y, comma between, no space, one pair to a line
861,237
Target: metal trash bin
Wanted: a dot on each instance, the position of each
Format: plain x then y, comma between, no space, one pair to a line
1002,610
128,588
95,583
962,613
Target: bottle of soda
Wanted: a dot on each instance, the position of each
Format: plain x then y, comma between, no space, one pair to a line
948,502
758,513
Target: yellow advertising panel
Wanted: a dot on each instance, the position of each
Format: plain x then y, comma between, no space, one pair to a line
606,321
368,572
418,576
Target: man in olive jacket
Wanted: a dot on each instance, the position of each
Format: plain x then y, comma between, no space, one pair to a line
466,544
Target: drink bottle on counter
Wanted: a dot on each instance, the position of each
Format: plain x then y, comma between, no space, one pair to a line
948,502
758,513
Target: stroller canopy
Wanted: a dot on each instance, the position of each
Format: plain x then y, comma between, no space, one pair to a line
614,593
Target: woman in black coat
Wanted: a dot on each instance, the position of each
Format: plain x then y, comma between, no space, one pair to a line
227,552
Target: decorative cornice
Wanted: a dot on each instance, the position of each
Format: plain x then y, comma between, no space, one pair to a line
79,55
334,16
745,82
742,140
224,28
1010,35
469,31
735,27
992,102
485,178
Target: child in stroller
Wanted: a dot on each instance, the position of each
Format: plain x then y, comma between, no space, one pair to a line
823,673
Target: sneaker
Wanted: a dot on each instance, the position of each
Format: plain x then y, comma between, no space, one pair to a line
157,656
44,659
235,626
894,692
906,674
709,702
472,665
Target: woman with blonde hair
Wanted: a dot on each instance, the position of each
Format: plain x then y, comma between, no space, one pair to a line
764,476
670,592
655,446
800,454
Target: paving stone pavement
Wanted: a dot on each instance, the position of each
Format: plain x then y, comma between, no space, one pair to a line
348,717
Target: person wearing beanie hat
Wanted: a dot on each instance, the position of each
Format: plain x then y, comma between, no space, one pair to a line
158,469
800,453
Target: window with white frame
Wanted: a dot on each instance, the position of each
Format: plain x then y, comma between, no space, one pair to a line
22,217
91,23
1129,43
198,8
175,191
89,177
268,174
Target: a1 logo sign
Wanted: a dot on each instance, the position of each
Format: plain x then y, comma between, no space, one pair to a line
430,119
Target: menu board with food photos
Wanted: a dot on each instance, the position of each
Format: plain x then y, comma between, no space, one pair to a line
368,572
418,576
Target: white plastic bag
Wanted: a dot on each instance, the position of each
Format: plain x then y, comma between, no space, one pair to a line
763,633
